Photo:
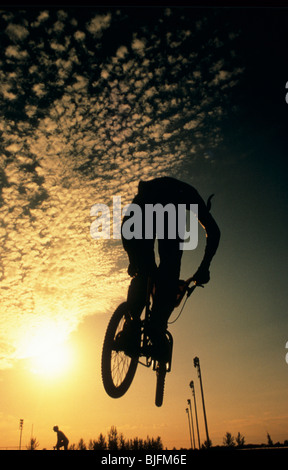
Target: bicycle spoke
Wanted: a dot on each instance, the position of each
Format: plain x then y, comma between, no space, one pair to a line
119,365
119,361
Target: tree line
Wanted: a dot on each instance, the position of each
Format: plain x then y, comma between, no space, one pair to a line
113,441
116,441
230,441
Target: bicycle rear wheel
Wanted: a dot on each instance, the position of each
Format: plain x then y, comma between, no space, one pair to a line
162,367
118,369
160,383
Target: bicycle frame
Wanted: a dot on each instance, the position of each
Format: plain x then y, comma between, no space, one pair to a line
144,348
144,337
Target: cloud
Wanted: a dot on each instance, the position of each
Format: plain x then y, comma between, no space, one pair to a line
138,45
16,32
39,89
79,36
122,52
16,52
5,89
43,16
98,24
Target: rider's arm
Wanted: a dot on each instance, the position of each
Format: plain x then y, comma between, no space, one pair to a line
212,234
212,241
190,195
212,238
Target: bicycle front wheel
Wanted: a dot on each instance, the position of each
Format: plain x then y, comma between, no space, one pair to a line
118,369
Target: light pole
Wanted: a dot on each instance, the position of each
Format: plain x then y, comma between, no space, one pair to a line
197,365
21,428
192,425
196,418
187,411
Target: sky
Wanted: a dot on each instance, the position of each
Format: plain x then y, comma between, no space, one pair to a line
92,101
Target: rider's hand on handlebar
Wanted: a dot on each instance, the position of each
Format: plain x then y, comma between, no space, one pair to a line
202,276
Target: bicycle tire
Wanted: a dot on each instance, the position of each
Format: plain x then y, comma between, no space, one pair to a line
117,368
160,383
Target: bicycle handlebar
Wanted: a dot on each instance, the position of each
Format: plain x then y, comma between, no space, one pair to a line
191,279
185,289
192,288
189,290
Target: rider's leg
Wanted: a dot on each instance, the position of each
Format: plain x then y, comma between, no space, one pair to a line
142,265
167,279
166,287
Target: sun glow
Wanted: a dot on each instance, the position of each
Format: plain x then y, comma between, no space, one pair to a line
47,350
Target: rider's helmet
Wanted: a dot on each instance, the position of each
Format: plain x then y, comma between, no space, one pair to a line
55,428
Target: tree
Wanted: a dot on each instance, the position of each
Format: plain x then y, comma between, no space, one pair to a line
123,444
113,438
100,444
91,444
240,440
228,440
207,444
81,445
269,440
136,444
153,444
33,444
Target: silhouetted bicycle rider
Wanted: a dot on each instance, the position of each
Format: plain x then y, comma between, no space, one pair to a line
165,190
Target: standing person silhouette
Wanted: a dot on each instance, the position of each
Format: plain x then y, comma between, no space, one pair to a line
141,254
62,440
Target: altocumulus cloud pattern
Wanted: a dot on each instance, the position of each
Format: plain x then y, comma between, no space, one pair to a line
91,102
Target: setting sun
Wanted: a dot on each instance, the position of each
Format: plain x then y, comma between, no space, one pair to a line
50,359
47,350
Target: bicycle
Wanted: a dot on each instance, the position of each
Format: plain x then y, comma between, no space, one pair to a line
119,361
